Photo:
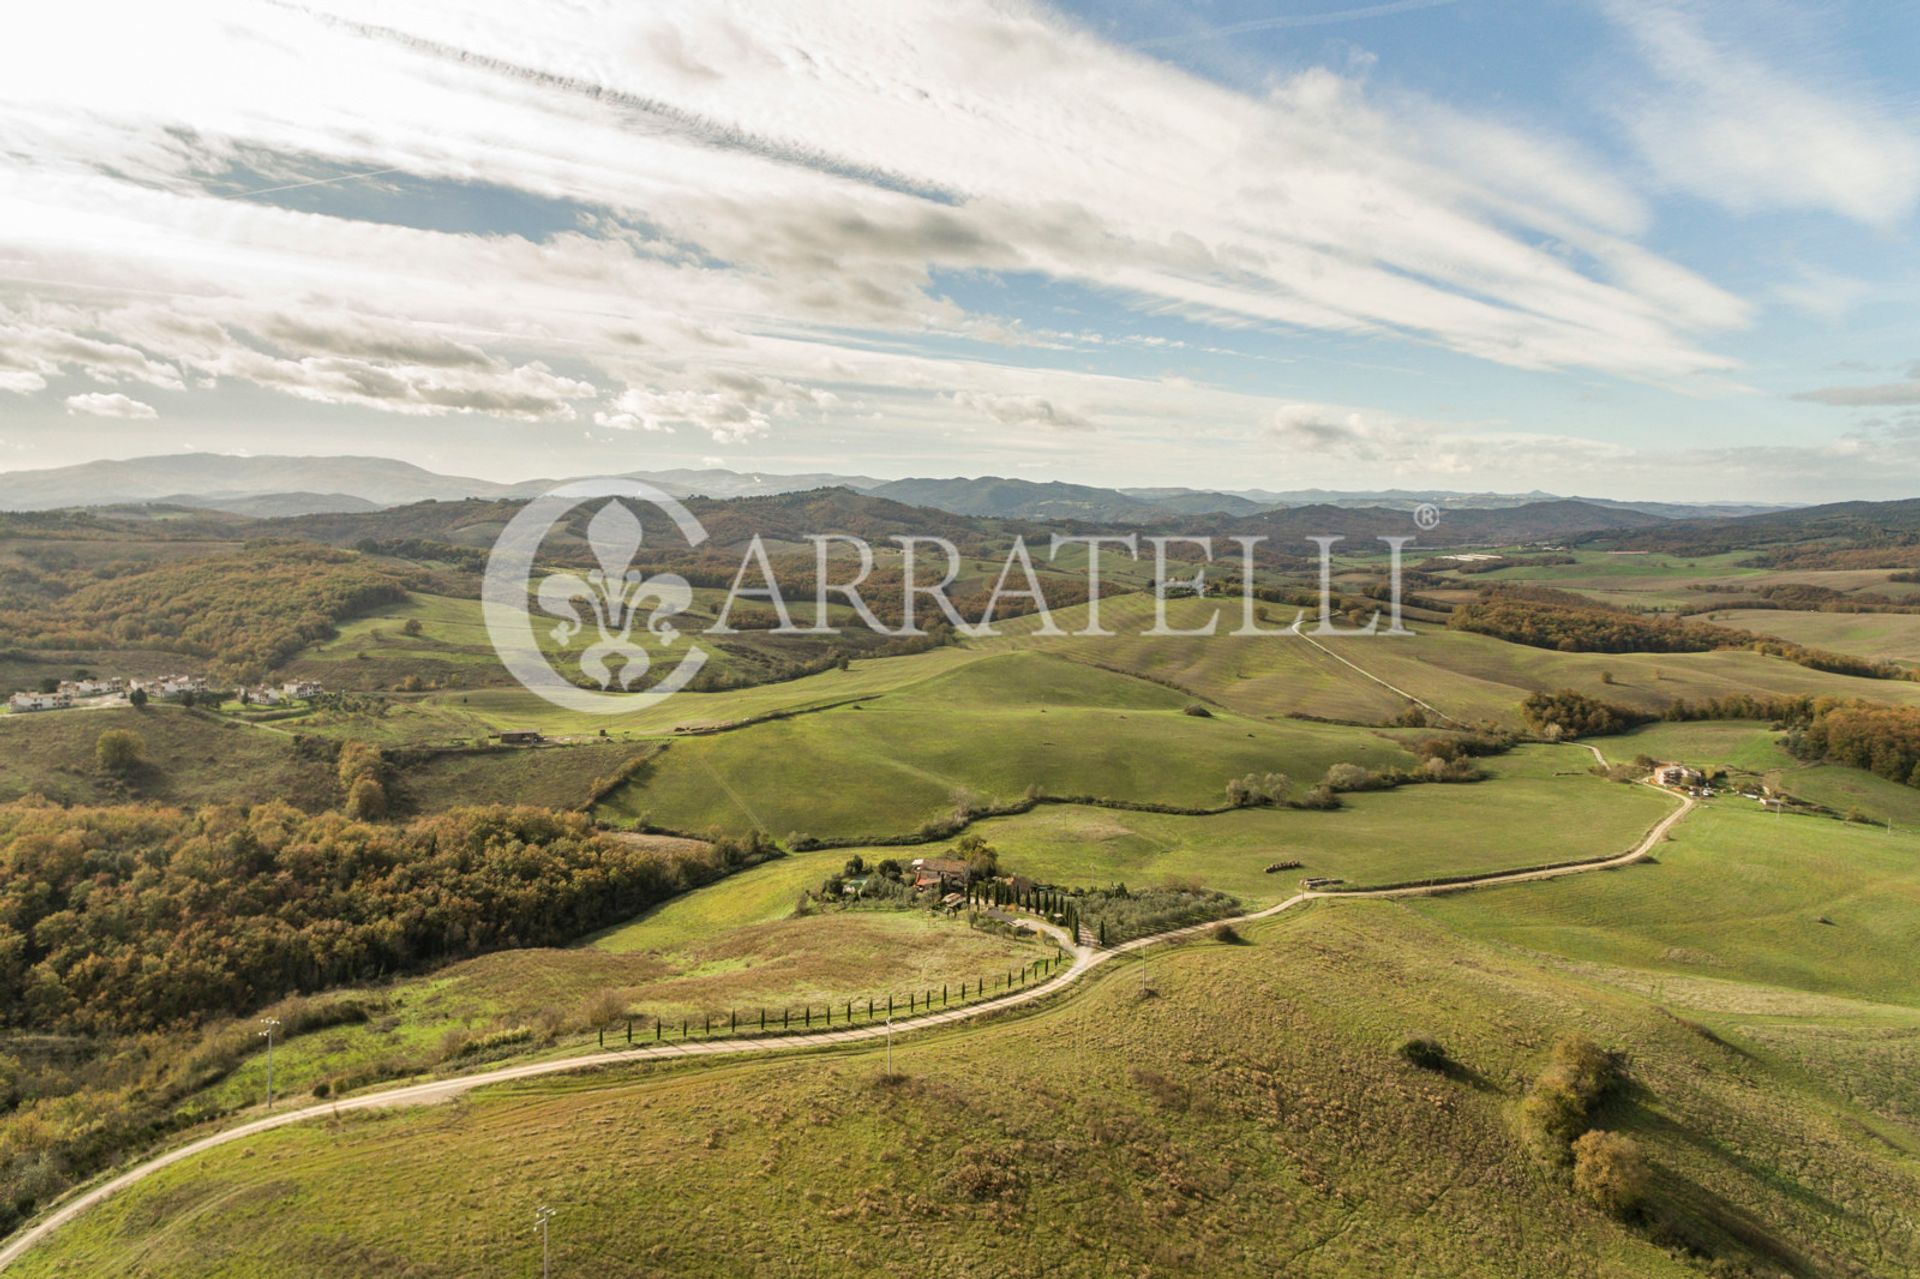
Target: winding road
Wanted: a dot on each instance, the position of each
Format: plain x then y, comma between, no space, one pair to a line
1085,960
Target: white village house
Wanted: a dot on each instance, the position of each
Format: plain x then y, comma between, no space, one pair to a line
291,691
38,701
92,687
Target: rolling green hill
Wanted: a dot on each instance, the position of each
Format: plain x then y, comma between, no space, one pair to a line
1733,896
1249,1118
1540,805
994,728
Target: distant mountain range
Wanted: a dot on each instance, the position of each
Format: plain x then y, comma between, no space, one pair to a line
281,486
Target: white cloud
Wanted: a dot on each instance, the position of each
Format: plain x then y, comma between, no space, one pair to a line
771,193
21,381
1880,395
113,404
1033,411
730,407
1723,122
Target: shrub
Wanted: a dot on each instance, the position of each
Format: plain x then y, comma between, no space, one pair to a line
1228,935
1197,710
1258,789
411,627
119,750
367,800
1320,798
1352,777
604,1008
1556,1110
1609,1169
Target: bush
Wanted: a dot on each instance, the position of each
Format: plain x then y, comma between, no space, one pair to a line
1557,1109
411,627
1228,935
1427,1054
367,801
1197,710
604,1008
1321,798
119,750
1352,777
1256,789
1609,1169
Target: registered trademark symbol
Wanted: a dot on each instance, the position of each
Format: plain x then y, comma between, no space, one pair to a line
1426,515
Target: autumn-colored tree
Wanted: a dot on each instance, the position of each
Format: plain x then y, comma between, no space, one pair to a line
119,750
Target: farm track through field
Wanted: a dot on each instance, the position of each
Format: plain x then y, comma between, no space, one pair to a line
1086,960
1365,673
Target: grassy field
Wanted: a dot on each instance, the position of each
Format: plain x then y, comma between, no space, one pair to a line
1887,636
733,946
994,727
545,776
191,758
457,714
1470,677
1540,806
758,895
1735,895
1251,1118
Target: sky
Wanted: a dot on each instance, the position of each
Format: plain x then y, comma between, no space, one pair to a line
1658,249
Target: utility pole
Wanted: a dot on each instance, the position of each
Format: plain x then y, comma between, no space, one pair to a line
889,1045
272,1024
541,1216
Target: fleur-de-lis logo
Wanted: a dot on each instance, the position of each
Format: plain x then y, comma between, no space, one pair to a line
603,606
614,593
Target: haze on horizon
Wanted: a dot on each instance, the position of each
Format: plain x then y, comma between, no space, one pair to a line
1650,249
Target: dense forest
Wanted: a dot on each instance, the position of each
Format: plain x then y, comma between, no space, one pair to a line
119,919
1885,740
245,611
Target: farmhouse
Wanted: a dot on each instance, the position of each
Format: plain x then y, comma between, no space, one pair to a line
939,872
520,737
1677,775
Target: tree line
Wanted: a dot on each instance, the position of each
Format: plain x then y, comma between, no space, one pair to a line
1568,628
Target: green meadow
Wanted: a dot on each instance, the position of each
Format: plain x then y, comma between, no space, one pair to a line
190,757
1734,895
995,729
1885,636
1466,676
1540,806
1248,1117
